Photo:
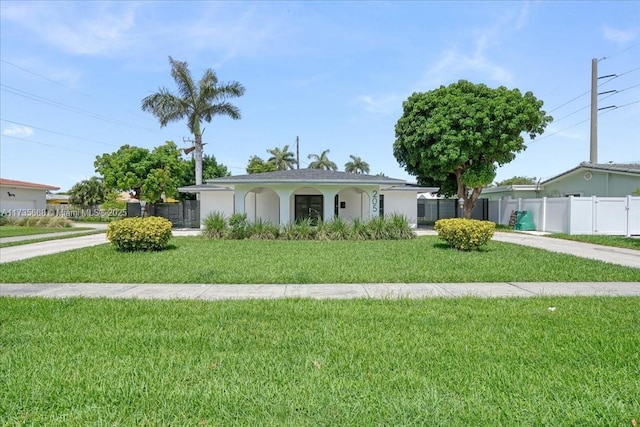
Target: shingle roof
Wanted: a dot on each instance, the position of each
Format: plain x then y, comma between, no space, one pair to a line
25,184
315,176
626,168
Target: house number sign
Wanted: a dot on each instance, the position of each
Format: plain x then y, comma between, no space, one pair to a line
374,201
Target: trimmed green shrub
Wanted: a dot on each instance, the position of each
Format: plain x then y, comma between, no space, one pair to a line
398,228
139,234
378,228
465,234
262,230
358,230
301,230
43,221
238,226
216,226
338,229
4,219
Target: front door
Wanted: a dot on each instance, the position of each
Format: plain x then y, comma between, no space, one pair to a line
309,206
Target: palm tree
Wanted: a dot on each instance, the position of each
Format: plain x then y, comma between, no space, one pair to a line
356,165
282,158
322,162
196,102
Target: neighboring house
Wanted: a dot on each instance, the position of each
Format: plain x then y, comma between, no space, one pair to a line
602,180
21,198
585,180
57,203
511,192
283,197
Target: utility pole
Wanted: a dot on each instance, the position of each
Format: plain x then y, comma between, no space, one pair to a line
298,151
190,149
593,151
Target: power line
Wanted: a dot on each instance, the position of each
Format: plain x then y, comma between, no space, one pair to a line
620,51
615,76
59,133
38,98
48,145
43,77
617,107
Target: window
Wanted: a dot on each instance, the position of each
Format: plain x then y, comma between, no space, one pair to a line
309,206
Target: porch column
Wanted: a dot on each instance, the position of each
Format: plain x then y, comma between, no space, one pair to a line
328,210
285,205
238,201
372,210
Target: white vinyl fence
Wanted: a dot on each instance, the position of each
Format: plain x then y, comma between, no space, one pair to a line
618,216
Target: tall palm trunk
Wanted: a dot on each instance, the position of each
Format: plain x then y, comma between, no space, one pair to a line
198,157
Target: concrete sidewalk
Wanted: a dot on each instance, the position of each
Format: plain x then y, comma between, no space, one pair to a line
620,256
319,291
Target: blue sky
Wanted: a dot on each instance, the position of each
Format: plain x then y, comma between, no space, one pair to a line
335,73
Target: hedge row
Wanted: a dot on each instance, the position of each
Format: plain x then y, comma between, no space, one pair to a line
394,227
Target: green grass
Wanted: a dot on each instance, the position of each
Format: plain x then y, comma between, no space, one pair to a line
425,259
89,232
615,241
441,362
16,230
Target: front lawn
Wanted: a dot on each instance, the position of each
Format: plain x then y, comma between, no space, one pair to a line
422,260
442,362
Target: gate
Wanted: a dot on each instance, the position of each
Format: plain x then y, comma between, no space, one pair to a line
185,214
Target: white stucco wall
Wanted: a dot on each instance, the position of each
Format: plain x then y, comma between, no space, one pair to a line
402,203
353,204
277,204
216,201
26,202
263,203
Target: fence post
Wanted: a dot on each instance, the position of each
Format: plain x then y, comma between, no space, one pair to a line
544,214
627,218
570,216
594,215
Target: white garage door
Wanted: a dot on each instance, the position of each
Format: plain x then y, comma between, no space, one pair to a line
17,207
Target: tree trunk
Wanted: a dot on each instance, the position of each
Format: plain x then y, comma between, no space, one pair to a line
470,202
198,157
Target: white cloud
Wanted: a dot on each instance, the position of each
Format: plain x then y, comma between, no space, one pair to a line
384,104
455,63
131,29
617,35
77,28
17,131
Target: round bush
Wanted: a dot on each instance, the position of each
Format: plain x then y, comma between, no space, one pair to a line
139,234
465,234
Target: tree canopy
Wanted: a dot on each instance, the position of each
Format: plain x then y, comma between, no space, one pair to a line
455,136
518,180
282,158
195,102
148,175
88,193
322,161
356,165
258,165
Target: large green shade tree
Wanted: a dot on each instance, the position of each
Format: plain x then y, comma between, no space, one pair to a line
456,136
